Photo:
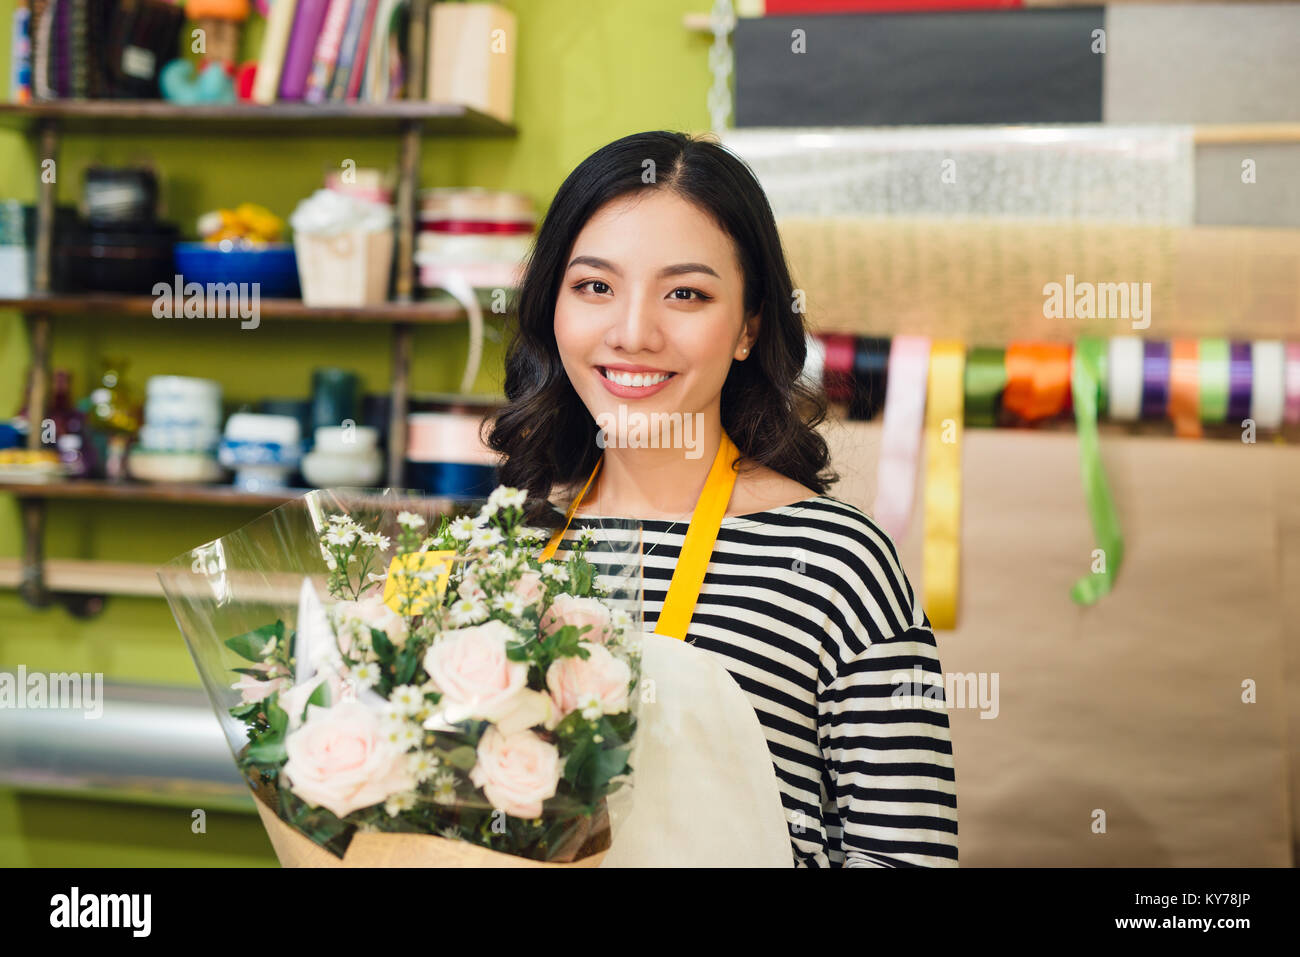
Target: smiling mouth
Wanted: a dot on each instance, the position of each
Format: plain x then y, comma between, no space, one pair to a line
635,379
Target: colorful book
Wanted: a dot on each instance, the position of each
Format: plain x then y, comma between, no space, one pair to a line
363,48
274,43
307,24
348,50
20,55
327,51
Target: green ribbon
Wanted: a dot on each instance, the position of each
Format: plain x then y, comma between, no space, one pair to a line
1086,382
986,378
1213,374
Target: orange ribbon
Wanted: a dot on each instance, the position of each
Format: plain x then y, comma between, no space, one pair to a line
1185,388
1038,379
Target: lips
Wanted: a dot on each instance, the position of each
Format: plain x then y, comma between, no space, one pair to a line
634,385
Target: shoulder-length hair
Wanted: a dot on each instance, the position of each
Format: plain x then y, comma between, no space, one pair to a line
547,436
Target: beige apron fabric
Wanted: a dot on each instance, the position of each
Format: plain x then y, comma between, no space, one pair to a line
706,793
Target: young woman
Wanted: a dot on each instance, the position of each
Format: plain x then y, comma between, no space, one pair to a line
655,375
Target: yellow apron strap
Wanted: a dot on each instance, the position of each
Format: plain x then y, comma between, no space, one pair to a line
697,548
554,543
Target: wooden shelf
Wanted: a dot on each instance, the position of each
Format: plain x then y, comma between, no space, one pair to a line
183,493
81,577
277,119
178,492
116,304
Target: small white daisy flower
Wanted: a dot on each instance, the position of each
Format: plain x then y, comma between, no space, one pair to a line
467,611
410,520
406,699
401,801
510,603
374,540
341,536
462,528
590,706
486,538
366,674
422,765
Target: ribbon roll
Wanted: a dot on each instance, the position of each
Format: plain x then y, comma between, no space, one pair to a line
986,378
900,439
1124,380
870,364
1155,379
1087,384
1239,376
941,549
1214,370
1267,383
1293,382
1038,380
1185,388
838,375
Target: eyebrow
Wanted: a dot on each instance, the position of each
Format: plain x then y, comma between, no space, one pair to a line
677,269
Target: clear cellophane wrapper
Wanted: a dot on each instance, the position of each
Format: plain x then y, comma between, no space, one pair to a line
355,753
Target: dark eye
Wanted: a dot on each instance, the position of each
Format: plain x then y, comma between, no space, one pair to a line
688,290
593,283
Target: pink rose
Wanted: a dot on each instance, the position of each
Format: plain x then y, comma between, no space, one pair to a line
471,669
574,681
517,772
339,759
572,610
252,689
529,587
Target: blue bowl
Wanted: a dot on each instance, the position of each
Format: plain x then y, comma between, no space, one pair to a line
274,267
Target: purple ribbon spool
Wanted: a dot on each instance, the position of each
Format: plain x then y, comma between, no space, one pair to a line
1239,376
1155,379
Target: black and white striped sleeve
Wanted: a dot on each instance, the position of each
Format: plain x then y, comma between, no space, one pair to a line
882,718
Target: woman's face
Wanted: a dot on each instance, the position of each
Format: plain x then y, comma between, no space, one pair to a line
652,287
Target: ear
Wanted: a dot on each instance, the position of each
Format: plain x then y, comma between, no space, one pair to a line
748,337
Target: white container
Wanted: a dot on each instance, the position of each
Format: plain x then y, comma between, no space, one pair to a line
15,272
179,388
345,269
353,440
332,469
255,427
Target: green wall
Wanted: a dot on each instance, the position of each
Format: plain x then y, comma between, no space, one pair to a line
587,73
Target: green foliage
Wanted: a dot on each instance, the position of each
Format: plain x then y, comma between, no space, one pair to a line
254,645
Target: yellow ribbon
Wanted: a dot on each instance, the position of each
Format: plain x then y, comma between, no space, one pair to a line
697,548
941,550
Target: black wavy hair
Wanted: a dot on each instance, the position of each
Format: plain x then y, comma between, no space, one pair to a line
546,435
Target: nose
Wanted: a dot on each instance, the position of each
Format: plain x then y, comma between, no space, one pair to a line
635,328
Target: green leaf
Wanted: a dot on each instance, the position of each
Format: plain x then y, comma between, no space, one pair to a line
320,697
252,645
405,666
245,711
276,717
267,750
383,647
464,758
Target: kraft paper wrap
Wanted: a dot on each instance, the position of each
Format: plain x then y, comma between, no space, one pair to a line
391,850
982,280
1133,705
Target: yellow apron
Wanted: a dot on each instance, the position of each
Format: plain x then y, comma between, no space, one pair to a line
697,549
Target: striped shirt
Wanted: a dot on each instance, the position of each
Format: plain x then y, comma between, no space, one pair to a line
810,610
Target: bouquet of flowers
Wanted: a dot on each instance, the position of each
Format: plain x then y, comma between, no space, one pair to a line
400,684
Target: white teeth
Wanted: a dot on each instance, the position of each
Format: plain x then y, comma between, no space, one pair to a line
635,379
